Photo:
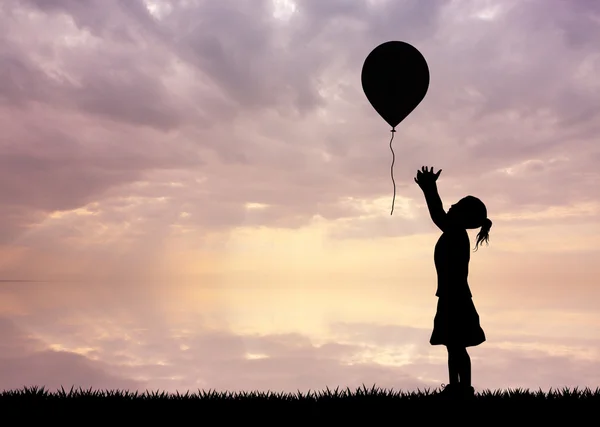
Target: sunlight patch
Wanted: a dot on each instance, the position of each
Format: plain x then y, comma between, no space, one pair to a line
489,13
158,9
255,356
532,165
78,350
380,206
256,206
385,356
284,9
76,212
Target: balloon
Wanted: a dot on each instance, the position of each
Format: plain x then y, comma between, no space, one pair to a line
395,79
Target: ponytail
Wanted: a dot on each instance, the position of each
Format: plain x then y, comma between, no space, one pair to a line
484,233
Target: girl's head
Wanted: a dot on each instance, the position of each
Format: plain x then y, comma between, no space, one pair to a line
470,212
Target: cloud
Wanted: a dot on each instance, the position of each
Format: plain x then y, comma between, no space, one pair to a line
389,356
26,361
199,73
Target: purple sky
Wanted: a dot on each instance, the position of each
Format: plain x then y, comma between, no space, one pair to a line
203,189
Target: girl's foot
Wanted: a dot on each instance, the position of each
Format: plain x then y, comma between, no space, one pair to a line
449,391
467,391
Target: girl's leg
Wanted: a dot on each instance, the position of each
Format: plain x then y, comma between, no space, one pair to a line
465,373
453,365
462,363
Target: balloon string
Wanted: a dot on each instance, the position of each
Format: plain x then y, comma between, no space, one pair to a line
392,170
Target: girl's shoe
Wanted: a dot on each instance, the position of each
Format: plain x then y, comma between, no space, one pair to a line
448,391
467,391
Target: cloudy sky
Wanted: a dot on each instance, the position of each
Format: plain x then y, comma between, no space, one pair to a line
197,194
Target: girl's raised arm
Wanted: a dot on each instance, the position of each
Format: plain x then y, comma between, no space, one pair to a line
426,180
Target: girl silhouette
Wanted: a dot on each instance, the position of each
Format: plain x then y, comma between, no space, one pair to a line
456,323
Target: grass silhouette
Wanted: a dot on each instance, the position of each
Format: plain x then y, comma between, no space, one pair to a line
360,394
313,406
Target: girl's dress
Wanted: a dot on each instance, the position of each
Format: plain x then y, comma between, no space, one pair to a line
456,320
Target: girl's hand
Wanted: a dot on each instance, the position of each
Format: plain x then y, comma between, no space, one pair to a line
426,178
